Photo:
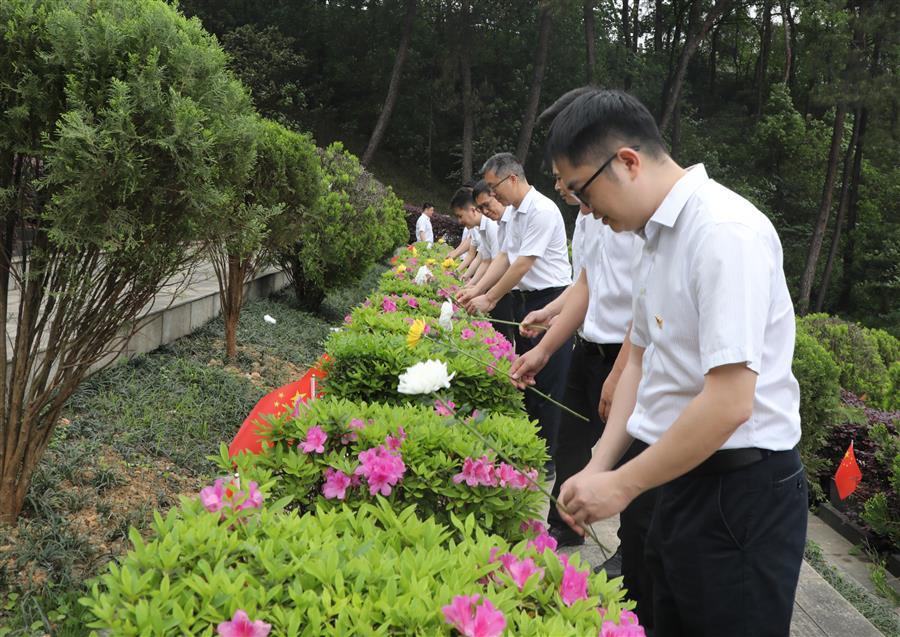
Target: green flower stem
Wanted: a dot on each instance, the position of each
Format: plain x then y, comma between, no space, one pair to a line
553,501
497,369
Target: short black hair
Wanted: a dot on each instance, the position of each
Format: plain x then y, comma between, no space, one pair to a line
481,188
426,206
597,120
462,198
468,183
562,102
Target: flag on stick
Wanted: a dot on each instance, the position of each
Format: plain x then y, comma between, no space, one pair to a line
848,475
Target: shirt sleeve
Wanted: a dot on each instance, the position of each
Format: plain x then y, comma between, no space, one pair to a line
732,280
491,241
538,233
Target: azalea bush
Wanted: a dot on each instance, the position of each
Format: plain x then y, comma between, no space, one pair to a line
347,571
337,451
364,366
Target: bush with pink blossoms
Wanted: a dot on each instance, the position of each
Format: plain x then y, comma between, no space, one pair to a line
346,571
409,455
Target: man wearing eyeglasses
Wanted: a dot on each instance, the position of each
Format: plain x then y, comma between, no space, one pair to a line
533,265
488,205
708,382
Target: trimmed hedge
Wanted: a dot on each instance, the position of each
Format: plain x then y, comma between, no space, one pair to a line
433,451
342,572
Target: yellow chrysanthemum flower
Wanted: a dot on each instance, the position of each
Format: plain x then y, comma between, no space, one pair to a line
401,268
442,240
415,333
448,263
430,261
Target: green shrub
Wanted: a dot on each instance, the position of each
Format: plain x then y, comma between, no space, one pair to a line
342,572
354,222
856,352
882,511
433,452
365,366
820,394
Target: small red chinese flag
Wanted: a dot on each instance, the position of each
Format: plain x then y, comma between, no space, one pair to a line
848,475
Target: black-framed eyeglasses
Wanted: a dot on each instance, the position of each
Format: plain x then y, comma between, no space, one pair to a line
577,194
497,185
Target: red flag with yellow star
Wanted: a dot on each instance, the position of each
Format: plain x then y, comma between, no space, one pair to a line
275,403
848,475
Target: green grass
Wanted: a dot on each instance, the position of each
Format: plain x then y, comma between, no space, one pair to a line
870,606
136,437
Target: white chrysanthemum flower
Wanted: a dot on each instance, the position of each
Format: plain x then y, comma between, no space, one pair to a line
424,378
446,319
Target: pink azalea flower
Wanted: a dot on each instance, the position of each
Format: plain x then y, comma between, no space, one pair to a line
388,305
367,303
466,334
336,484
433,302
392,443
543,542
412,302
491,370
443,293
533,526
381,468
444,408
253,500
315,440
348,319
574,585
508,475
427,329
610,629
487,621
412,262
521,570
241,626
477,473
487,340
213,498
484,325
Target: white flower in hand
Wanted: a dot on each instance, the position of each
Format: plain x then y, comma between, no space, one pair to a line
446,319
424,378
423,275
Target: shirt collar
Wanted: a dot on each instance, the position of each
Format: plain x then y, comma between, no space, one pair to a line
671,207
526,200
484,222
507,214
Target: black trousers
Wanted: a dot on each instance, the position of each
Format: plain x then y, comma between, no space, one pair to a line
588,370
504,311
552,379
725,550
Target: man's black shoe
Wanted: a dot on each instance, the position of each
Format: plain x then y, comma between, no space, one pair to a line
565,536
612,566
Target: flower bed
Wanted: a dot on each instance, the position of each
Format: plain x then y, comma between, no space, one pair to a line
346,572
318,460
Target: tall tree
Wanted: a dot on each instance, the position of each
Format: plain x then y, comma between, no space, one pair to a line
696,33
387,109
465,63
815,244
658,26
545,22
590,43
762,62
787,22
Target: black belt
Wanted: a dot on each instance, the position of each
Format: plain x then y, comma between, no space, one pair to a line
726,460
609,350
524,295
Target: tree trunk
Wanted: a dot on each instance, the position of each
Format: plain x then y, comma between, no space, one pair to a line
626,31
232,297
673,46
695,36
590,45
762,66
843,202
394,88
540,65
815,246
787,21
635,24
713,53
468,121
848,278
658,26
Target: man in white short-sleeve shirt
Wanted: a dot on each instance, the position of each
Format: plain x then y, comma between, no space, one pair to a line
483,230
488,205
424,231
708,383
533,264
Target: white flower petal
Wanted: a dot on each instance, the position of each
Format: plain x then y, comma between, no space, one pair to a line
424,378
446,318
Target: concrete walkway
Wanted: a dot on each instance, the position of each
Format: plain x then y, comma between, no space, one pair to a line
819,610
